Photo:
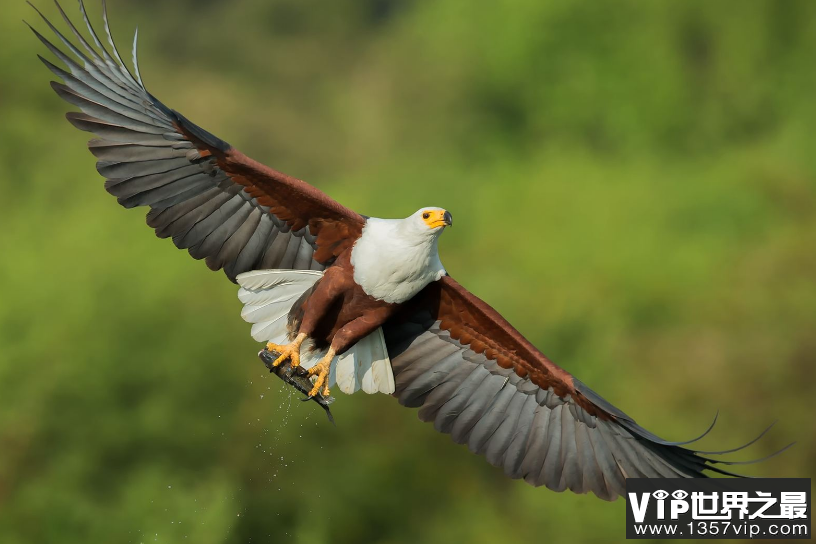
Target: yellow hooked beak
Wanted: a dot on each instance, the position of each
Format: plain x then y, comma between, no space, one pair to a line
437,218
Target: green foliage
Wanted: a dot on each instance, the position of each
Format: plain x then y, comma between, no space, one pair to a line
633,186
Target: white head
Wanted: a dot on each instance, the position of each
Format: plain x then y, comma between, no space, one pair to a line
428,221
394,259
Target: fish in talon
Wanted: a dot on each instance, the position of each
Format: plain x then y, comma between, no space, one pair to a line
297,377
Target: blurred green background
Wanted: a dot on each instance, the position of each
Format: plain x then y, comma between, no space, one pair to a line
634,186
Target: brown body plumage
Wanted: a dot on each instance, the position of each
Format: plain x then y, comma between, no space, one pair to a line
337,311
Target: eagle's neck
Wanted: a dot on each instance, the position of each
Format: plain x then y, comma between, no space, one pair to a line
394,260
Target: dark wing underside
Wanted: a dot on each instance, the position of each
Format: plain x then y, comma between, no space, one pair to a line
476,378
208,197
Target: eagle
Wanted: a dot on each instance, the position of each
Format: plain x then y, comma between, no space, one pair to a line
360,302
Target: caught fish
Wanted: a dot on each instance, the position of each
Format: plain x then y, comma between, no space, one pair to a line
297,377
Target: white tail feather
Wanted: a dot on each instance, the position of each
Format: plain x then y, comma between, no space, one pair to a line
267,330
366,366
268,295
279,290
261,279
268,312
379,377
346,372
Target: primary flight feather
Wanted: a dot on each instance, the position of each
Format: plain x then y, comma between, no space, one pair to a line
363,303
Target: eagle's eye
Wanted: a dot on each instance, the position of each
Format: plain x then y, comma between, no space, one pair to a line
426,215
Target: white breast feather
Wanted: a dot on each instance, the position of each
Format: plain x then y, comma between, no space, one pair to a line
393,262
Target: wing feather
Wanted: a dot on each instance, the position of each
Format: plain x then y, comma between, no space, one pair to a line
474,376
208,197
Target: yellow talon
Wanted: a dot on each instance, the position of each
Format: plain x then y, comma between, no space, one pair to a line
321,369
322,372
288,351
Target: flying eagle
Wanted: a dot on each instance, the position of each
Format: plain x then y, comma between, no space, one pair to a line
361,302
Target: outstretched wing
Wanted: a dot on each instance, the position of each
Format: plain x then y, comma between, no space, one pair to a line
476,377
210,198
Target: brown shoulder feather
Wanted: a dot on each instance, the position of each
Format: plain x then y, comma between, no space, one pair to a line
291,200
